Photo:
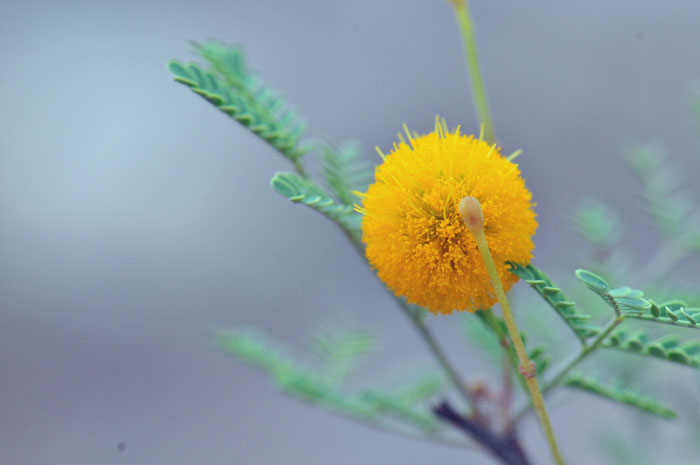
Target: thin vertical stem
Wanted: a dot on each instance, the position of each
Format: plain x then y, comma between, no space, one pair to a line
471,212
440,356
481,103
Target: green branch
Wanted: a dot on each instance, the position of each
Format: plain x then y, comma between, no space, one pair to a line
414,315
481,104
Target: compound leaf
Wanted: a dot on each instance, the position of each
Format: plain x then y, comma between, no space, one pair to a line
342,350
307,192
344,171
620,395
229,86
554,296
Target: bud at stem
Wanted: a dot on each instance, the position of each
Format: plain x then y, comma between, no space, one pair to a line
473,216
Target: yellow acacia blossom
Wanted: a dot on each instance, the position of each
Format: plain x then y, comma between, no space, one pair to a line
415,236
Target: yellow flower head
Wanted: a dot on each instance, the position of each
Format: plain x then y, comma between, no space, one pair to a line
416,238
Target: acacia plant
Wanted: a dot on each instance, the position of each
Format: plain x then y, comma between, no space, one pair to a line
446,222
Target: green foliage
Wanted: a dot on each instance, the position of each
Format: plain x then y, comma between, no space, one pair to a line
401,409
668,347
627,303
631,303
672,290
254,348
322,384
672,312
622,448
290,376
666,202
620,395
341,351
307,192
234,90
344,171
336,354
593,282
554,296
294,378
475,332
422,386
695,108
624,300
479,334
596,223
538,355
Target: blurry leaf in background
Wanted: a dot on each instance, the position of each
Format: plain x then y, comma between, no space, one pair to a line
344,170
619,448
597,224
665,200
341,350
694,101
620,394
476,334
396,404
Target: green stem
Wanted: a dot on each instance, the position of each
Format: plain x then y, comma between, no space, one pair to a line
299,168
471,212
585,351
481,103
512,356
439,354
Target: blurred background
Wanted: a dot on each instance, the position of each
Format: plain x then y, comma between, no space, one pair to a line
136,218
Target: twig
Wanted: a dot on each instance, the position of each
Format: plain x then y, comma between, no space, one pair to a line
504,446
440,356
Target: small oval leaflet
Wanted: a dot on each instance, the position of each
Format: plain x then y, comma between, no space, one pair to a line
674,305
633,303
592,281
620,291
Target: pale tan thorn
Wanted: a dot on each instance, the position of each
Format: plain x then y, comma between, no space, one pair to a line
408,134
362,195
491,150
514,155
379,151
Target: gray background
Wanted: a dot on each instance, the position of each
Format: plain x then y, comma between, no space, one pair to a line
135,218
